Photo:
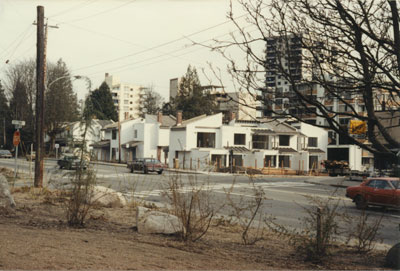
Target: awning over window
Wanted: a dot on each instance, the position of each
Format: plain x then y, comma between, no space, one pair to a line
101,144
287,150
130,144
238,149
314,150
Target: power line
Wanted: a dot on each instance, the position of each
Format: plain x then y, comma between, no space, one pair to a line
20,37
76,7
158,46
121,68
102,12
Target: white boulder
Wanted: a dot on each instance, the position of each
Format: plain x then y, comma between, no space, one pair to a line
6,199
148,221
107,197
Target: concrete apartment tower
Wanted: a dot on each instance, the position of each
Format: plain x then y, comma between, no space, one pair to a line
128,98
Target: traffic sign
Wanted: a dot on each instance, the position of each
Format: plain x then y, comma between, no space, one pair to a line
18,122
16,138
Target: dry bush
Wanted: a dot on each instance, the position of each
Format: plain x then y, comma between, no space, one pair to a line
365,232
320,228
79,202
245,212
193,206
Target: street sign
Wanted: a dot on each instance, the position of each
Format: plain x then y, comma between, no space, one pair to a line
16,138
57,146
18,122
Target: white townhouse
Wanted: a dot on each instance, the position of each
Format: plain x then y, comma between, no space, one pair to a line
205,141
139,138
315,143
72,135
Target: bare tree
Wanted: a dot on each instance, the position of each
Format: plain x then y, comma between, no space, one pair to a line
325,50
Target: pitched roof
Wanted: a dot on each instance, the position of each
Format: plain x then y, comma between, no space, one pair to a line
166,121
186,122
280,127
104,123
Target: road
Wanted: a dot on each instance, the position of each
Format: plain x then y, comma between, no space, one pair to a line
287,198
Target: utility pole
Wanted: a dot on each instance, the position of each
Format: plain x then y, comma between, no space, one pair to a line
40,90
4,131
40,85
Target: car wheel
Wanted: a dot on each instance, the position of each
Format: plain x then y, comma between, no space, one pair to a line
145,170
131,169
61,167
159,172
361,204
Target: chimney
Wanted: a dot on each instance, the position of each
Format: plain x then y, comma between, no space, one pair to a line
159,117
179,117
232,116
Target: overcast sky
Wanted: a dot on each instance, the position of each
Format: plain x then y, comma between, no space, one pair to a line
141,41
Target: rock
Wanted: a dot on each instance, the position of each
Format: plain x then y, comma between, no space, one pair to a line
107,197
6,199
148,221
393,257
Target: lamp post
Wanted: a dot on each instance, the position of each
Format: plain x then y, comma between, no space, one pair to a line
39,165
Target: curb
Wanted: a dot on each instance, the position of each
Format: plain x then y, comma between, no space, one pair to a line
333,185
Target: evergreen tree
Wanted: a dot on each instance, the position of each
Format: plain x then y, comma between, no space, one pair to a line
102,104
191,98
20,109
4,116
61,104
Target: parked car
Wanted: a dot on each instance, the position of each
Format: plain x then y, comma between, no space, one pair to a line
71,162
5,154
381,191
30,156
146,165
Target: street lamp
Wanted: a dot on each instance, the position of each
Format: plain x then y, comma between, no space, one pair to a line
40,133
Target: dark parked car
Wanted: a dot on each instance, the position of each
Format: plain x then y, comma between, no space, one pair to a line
382,191
146,165
5,154
71,162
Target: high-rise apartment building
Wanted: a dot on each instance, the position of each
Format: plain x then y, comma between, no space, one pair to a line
128,98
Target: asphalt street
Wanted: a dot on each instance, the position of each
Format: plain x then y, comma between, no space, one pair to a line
287,199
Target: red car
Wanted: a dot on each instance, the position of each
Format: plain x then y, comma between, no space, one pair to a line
382,191
146,165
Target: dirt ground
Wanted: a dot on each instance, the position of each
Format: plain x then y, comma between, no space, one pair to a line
36,236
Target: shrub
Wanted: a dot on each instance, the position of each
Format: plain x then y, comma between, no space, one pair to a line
191,203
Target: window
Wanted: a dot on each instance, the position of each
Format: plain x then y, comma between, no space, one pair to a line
380,184
313,162
284,161
260,142
313,142
237,160
206,140
284,140
114,134
270,161
135,133
126,102
126,95
240,139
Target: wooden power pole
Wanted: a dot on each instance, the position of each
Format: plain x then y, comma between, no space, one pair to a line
40,86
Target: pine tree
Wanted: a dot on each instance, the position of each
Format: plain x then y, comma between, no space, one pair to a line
4,116
102,104
191,98
61,104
